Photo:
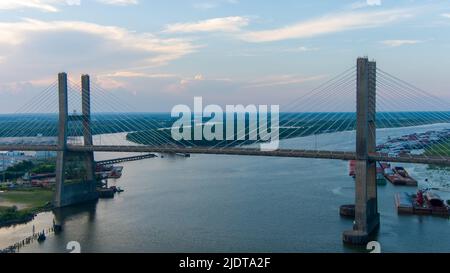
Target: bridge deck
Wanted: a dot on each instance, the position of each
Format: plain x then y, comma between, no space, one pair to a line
340,155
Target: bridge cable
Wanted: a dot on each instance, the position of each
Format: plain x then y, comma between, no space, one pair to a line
338,82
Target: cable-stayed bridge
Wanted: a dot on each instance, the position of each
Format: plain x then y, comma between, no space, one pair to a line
382,101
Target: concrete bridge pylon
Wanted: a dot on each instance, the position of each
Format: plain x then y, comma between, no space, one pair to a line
75,171
367,218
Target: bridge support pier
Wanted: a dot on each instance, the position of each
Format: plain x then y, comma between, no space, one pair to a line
78,168
367,218
62,138
87,130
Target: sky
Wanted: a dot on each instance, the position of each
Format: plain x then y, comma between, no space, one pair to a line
156,54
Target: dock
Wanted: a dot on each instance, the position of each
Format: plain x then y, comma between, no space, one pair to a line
28,240
125,159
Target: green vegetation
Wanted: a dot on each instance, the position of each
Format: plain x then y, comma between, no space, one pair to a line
47,167
21,168
20,205
104,123
441,149
30,198
17,170
75,169
32,201
291,125
11,215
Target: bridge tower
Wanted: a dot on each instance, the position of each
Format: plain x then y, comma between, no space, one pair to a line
367,218
75,171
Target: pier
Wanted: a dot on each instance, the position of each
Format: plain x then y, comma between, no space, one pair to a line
125,159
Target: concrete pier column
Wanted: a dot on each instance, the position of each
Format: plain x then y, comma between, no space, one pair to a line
87,131
86,109
366,208
83,183
62,138
372,207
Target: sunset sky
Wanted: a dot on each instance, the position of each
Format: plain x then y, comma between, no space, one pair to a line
156,54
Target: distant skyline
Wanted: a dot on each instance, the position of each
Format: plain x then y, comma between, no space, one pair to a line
156,54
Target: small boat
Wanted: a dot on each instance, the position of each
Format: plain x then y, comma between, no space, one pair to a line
119,190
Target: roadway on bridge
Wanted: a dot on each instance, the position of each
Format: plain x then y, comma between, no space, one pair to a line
340,155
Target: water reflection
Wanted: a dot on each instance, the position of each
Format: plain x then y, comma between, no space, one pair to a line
87,210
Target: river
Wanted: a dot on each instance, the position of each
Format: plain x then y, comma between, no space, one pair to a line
210,203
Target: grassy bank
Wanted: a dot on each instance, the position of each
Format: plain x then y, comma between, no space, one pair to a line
19,206
440,149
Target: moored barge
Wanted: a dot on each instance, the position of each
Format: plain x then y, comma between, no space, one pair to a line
399,176
422,203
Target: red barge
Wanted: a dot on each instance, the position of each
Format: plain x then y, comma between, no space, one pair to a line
422,203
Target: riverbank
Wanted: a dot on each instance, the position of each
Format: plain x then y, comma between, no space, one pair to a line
21,206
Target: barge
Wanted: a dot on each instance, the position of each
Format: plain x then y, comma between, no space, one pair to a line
399,176
423,203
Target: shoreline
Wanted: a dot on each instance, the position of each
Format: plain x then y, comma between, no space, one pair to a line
22,206
26,218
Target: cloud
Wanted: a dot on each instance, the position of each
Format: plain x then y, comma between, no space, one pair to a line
53,5
225,24
164,81
302,49
365,4
199,77
205,5
446,15
166,49
133,74
283,80
373,2
119,2
213,4
43,5
328,24
397,43
41,48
